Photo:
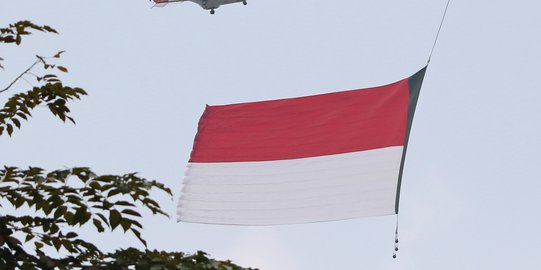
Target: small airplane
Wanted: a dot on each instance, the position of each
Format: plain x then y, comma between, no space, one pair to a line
205,4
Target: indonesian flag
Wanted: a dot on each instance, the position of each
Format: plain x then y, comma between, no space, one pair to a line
308,159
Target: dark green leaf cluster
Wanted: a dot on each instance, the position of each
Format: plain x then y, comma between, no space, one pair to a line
14,32
41,231
77,196
52,95
159,260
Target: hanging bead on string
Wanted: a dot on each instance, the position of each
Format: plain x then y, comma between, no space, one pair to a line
395,245
395,238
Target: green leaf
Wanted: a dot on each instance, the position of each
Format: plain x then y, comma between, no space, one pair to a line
95,185
49,29
68,245
82,215
57,55
27,266
70,218
60,211
19,202
71,119
29,237
124,203
57,243
126,224
71,235
98,225
138,235
103,218
47,208
131,212
10,129
136,223
113,192
22,115
114,218
16,122
54,229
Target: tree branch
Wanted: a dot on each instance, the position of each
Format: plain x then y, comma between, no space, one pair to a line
40,59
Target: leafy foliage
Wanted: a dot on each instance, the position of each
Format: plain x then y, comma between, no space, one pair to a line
157,260
51,92
14,32
63,200
107,200
54,95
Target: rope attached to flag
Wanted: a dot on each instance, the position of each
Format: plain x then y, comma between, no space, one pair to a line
439,30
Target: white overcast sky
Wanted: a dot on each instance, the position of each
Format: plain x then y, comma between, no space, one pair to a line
471,194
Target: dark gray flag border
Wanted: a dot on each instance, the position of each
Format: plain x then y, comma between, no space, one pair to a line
414,83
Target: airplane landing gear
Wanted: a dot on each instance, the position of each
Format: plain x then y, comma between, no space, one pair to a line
212,11
244,3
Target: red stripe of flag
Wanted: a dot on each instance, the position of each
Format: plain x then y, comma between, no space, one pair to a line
303,127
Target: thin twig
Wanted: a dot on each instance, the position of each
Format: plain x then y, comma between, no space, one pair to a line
40,59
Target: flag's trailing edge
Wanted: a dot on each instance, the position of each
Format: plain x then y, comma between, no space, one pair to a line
414,83
309,159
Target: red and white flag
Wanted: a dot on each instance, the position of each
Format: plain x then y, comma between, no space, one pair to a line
309,159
